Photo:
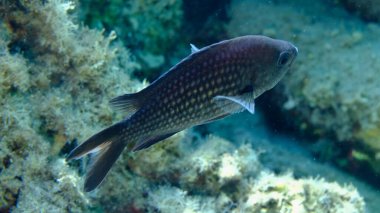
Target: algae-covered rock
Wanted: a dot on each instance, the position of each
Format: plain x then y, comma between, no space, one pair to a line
226,178
270,193
367,9
332,91
56,80
215,176
149,28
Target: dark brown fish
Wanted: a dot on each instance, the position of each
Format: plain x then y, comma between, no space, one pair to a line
211,83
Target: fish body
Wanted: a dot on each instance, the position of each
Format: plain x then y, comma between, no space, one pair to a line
211,83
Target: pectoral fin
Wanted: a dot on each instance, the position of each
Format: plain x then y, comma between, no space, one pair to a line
246,101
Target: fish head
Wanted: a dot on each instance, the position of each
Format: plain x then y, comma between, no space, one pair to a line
268,60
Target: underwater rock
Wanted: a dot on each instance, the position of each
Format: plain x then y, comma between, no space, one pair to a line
144,24
149,28
55,82
369,10
214,176
333,89
204,21
56,79
269,194
218,166
285,194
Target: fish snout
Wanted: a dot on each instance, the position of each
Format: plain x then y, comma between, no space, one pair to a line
294,50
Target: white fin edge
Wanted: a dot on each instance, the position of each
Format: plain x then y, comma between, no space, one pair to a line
194,49
248,103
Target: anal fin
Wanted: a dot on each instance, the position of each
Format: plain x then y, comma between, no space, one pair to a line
217,118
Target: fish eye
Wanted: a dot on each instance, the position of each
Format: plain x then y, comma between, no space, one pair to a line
283,59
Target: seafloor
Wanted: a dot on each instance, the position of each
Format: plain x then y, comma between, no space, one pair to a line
311,146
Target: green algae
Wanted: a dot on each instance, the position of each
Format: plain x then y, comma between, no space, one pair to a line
149,28
332,91
56,80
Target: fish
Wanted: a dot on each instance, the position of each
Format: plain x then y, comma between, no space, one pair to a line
211,83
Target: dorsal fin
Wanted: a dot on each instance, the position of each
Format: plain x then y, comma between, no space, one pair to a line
128,103
194,49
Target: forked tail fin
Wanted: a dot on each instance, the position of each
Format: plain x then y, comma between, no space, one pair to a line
106,145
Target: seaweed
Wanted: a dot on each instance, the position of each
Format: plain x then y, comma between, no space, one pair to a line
56,79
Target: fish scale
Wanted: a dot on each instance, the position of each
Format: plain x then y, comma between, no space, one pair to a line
211,83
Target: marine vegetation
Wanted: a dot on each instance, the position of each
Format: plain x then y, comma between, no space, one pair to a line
333,89
56,79
149,28
53,77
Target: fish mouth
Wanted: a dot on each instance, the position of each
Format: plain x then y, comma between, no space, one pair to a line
290,47
294,50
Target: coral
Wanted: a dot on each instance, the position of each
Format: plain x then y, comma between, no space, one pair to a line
55,81
332,90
